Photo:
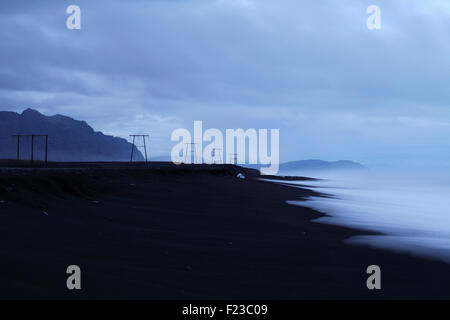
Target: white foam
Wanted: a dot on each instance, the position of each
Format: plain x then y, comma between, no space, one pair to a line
413,211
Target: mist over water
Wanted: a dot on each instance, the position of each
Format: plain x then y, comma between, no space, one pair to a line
410,207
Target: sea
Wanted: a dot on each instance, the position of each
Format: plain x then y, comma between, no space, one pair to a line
409,208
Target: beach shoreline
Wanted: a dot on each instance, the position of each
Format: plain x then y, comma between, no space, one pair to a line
185,232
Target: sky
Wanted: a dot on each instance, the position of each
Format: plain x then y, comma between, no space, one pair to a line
312,69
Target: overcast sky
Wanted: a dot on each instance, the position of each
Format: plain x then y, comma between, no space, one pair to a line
335,89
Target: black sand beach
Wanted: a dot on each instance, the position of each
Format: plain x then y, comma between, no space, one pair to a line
184,232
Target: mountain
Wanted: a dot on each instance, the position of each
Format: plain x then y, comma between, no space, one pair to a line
68,139
320,165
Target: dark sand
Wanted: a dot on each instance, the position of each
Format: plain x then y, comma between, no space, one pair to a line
184,232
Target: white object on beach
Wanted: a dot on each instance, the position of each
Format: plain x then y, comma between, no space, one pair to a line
240,176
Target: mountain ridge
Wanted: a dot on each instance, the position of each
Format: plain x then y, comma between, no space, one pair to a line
69,139
313,166
320,165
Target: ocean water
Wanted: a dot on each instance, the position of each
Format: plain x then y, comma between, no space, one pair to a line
410,209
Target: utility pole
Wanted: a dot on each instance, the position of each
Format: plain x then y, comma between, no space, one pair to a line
18,148
32,148
132,149
46,148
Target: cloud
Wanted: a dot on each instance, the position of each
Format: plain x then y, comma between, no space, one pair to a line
156,65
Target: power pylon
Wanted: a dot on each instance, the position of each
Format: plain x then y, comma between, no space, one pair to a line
18,136
220,157
233,157
144,137
192,147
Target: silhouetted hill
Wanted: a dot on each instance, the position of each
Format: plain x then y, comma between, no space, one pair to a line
320,165
69,139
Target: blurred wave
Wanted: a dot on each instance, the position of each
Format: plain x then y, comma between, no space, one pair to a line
410,208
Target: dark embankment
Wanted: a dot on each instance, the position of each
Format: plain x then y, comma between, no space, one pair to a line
175,232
